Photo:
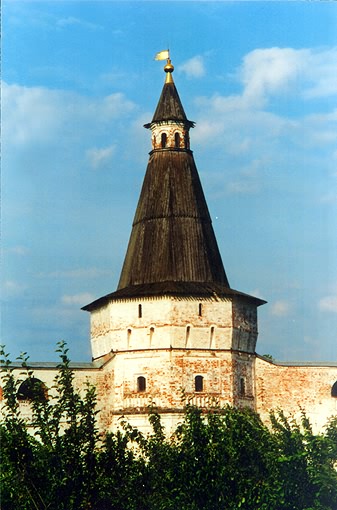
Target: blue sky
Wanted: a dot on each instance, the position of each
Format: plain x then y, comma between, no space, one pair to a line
79,82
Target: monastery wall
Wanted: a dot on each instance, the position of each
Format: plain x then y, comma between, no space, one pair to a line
294,388
47,377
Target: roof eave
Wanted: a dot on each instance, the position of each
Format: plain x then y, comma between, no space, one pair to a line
192,290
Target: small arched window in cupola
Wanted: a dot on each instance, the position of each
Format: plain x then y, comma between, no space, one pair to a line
163,140
334,390
177,140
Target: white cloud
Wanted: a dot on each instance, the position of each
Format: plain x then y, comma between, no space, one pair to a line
40,115
310,73
269,71
92,272
328,304
72,21
12,288
280,308
257,293
77,299
242,128
99,157
194,67
321,71
17,250
243,187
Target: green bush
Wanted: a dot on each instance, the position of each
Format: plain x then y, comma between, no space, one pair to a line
222,459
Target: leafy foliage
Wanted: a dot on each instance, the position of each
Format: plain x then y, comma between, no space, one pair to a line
224,459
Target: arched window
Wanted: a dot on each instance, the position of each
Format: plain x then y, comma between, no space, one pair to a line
334,390
177,140
129,337
200,310
141,384
32,389
163,140
151,335
140,311
187,141
198,383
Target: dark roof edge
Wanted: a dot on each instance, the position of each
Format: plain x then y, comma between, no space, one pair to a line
95,364
313,364
189,123
172,289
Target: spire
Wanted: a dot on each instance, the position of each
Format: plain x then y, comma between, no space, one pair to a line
169,105
172,238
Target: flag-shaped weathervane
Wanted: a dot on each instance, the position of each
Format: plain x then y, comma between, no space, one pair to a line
162,55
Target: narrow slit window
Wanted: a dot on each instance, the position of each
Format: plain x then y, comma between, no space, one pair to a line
140,311
141,384
129,337
199,383
200,310
211,336
151,335
188,332
177,140
242,387
163,140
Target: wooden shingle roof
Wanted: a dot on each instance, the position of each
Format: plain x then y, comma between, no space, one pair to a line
172,249
169,106
172,237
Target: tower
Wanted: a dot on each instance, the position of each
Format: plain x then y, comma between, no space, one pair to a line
174,324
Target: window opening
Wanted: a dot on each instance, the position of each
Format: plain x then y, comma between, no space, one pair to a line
129,337
200,310
334,390
163,140
199,383
141,384
211,336
151,335
242,387
140,311
188,331
177,140
32,389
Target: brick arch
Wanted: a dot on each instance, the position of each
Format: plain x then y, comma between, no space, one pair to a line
32,389
334,390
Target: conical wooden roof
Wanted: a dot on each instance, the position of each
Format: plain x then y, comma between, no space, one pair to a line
172,249
172,237
169,106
